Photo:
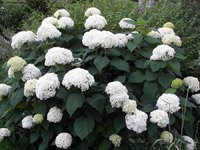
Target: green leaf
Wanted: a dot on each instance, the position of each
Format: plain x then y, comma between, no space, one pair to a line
83,126
16,97
4,106
146,53
131,46
34,137
105,145
140,63
137,38
120,64
150,88
98,102
74,101
101,62
151,76
152,40
175,66
119,122
62,93
40,108
170,90
136,77
157,65
39,59
165,79
122,79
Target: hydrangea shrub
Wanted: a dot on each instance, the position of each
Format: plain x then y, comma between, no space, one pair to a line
97,90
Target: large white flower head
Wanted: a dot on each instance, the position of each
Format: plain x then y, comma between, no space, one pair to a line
65,22
192,83
46,86
129,106
58,55
168,102
108,39
79,78
91,38
19,39
61,13
92,11
171,39
4,132
27,122
50,20
63,140
117,100
167,136
29,87
95,22
16,63
154,34
196,97
160,117
54,115
47,31
165,31
4,89
122,39
163,52
189,142
137,121
30,72
115,87
125,25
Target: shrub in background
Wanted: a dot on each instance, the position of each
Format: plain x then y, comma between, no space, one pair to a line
185,16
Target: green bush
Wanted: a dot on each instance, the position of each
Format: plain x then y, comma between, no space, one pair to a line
185,16
88,115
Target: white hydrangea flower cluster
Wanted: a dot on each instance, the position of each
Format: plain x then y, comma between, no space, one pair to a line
30,72
154,34
54,115
19,39
27,122
4,132
189,142
47,31
95,22
129,106
160,117
63,140
65,22
168,102
106,39
196,97
50,20
171,39
92,11
4,89
118,93
16,63
46,86
115,139
192,83
137,121
125,25
167,136
163,52
38,118
61,13
122,39
165,31
58,55
79,78
29,87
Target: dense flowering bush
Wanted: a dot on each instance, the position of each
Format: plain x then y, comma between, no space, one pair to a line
98,90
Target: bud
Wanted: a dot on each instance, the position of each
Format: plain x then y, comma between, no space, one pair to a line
177,83
38,118
169,25
115,139
166,136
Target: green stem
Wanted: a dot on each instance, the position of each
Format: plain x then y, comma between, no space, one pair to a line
183,114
